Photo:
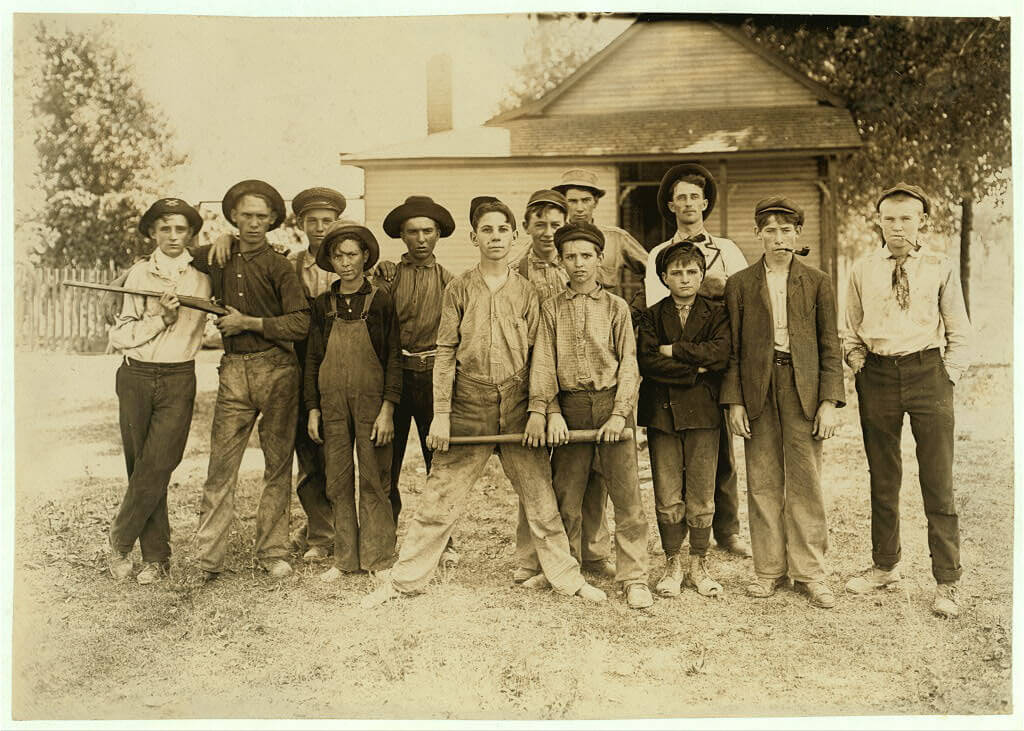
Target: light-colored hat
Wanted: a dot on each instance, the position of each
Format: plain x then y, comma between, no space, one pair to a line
579,178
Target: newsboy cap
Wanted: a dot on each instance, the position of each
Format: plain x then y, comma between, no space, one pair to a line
254,187
318,198
579,232
579,178
779,204
346,228
914,191
479,201
661,261
415,206
167,207
548,196
681,170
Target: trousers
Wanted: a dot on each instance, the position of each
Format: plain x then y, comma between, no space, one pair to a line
683,471
155,403
261,385
484,408
917,385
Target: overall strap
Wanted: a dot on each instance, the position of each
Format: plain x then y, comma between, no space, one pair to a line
367,301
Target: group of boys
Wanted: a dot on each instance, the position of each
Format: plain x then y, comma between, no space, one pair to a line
541,360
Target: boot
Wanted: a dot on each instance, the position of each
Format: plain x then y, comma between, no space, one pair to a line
672,581
697,576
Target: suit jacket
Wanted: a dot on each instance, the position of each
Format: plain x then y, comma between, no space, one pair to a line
813,339
673,395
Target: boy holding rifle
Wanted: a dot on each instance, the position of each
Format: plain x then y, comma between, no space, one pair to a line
156,384
488,324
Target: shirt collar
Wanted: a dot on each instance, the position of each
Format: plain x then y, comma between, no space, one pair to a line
769,270
365,289
912,253
534,259
308,259
164,266
679,236
262,248
594,294
407,260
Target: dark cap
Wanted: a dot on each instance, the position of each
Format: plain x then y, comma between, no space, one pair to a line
549,196
254,187
167,207
779,204
345,228
914,191
579,232
661,261
318,198
494,205
681,170
414,207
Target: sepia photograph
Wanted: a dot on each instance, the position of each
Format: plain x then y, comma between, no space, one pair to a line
550,366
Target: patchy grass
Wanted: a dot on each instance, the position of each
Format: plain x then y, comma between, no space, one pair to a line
474,645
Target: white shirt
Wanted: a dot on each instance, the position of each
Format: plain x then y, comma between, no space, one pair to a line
778,291
140,331
723,256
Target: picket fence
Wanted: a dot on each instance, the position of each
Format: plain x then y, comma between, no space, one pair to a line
48,315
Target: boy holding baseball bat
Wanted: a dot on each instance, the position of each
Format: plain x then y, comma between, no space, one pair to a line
585,376
488,323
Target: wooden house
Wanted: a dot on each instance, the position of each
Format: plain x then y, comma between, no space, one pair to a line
666,90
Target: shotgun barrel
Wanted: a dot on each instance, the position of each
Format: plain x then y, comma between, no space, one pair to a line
576,436
195,303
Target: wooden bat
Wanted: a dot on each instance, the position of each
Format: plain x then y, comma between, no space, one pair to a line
576,436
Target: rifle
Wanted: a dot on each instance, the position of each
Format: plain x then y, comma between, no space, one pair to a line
195,303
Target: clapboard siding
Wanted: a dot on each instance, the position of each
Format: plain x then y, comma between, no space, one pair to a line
744,197
453,186
676,64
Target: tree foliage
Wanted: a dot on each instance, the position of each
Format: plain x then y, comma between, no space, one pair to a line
558,45
930,97
103,151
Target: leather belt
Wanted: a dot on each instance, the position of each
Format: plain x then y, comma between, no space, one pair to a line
782,358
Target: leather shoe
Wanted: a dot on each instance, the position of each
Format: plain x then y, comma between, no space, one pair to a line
317,553
591,593
876,579
638,596
947,601
735,545
764,588
604,568
818,593
276,567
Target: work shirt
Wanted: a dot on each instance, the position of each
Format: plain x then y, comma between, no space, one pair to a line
778,286
549,277
314,280
482,334
140,332
381,325
936,317
259,283
722,256
584,343
620,249
417,291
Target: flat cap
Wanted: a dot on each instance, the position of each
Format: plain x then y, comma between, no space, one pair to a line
549,196
254,187
167,207
681,170
414,207
345,228
661,261
779,204
579,232
914,191
318,198
579,178
477,201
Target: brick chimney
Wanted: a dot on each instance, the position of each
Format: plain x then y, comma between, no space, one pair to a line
439,93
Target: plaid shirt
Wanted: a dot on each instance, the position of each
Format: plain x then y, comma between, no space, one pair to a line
485,335
584,343
549,277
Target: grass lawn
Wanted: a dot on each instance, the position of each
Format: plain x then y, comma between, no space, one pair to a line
474,645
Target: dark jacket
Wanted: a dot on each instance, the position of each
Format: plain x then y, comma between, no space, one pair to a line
382,326
673,395
813,339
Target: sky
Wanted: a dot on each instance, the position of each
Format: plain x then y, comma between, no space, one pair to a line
281,98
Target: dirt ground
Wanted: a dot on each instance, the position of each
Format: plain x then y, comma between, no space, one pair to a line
474,645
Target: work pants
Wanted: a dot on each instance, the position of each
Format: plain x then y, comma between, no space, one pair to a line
726,522
483,408
683,470
788,529
417,403
888,388
260,385
155,408
311,486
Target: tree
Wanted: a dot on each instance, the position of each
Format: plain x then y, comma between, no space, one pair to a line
558,45
103,151
931,99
